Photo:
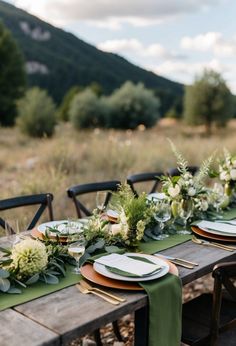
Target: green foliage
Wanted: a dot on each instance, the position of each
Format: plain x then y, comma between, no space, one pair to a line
12,76
63,112
87,110
132,105
36,113
71,61
208,100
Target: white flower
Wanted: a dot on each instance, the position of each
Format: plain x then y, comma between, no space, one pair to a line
204,205
29,257
116,228
218,188
233,174
191,191
225,176
174,191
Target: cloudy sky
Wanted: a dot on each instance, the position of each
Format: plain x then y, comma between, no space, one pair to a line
173,38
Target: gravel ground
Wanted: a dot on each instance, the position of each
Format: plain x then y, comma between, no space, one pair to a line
126,324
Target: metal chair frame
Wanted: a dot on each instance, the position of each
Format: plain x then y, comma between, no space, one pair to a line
143,177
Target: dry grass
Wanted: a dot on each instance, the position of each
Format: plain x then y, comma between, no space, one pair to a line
52,165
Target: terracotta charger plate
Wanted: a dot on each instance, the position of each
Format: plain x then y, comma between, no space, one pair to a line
38,235
90,274
212,236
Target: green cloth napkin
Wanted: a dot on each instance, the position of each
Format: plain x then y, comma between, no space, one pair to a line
38,289
165,310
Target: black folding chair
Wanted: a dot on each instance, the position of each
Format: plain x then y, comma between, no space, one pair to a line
172,172
154,177
210,319
74,193
43,200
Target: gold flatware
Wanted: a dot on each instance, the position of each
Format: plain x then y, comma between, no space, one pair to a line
181,264
172,258
84,290
86,285
208,243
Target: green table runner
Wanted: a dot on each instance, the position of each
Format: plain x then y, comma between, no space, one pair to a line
37,290
165,310
229,214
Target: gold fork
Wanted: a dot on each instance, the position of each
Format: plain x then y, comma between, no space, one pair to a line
208,243
84,290
86,285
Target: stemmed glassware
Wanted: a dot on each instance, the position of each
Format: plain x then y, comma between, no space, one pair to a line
12,231
101,200
162,215
185,209
76,250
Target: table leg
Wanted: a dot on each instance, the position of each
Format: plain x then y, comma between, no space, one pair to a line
141,327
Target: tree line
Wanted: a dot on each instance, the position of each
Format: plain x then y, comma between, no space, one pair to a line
207,101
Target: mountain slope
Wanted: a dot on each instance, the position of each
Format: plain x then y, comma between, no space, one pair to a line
57,60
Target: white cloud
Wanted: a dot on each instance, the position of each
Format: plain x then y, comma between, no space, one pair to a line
134,46
113,12
210,41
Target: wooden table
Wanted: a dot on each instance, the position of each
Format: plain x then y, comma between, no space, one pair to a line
58,318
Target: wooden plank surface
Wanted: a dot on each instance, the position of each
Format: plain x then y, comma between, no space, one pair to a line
18,330
70,314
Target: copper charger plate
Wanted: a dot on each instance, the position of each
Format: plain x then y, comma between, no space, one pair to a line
205,234
90,274
38,235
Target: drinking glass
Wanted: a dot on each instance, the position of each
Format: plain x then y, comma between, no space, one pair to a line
12,231
162,215
185,209
77,250
101,200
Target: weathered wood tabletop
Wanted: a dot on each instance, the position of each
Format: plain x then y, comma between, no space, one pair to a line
58,318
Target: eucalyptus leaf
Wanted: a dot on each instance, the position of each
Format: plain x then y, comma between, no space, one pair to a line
14,290
4,250
5,262
98,245
62,270
4,285
20,283
51,279
33,279
4,273
112,249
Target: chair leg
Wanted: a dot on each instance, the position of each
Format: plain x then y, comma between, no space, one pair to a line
117,331
97,337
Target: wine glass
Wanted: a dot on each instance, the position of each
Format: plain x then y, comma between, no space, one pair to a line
101,200
185,209
12,231
162,215
76,250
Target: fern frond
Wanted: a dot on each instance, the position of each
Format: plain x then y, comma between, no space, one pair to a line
204,170
182,163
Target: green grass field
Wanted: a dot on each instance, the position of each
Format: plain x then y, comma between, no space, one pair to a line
69,158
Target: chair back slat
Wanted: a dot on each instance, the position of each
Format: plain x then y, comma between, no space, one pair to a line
44,201
154,177
75,191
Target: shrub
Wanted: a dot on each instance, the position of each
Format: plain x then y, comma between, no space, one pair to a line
87,110
133,105
63,112
36,113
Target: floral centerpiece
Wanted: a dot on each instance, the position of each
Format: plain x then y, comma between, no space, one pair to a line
127,228
30,261
227,174
187,193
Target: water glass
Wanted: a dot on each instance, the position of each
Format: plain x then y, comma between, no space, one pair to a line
162,215
101,200
185,210
12,231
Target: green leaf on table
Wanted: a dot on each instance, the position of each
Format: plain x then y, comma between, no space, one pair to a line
14,290
4,250
4,285
97,246
4,274
33,279
113,249
51,279
20,283
61,269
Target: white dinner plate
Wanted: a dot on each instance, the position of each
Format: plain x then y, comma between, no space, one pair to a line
212,231
231,232
64,227
101,269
